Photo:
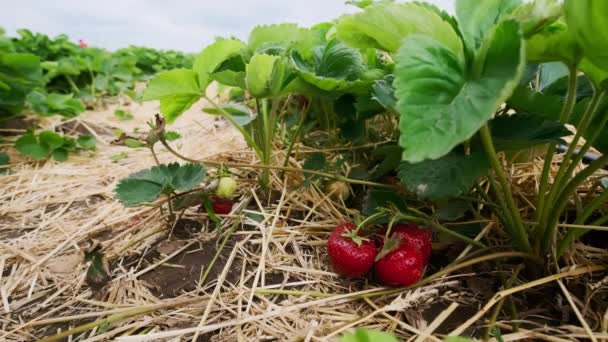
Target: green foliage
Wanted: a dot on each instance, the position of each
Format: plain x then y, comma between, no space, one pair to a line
123,115
477,19
48,143
50,104
520,131
450,176
19,74
4,160
177,91
384,25
553,43
147,185
588,22
364,335
443,102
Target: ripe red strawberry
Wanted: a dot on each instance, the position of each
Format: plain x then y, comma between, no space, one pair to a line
221,206
351,256
412,234
403,266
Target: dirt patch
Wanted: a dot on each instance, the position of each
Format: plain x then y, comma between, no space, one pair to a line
182,272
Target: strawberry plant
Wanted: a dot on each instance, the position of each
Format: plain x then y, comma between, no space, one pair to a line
50,144
447,95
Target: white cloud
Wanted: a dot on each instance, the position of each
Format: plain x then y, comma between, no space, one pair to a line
186,25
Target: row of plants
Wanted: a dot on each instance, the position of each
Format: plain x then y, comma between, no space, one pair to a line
54,76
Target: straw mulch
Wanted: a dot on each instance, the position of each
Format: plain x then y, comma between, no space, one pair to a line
271,281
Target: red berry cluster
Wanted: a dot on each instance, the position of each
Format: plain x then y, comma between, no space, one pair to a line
401,259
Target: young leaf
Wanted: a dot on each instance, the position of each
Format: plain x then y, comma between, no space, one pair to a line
536,15
259,75
212,57
87,142
384,25
177,91
444,178
336,68
278,38
553,43
439,102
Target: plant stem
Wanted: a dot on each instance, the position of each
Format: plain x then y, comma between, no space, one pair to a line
280,168
296,136
445,230
154,155
574,234
563,119
240,128
520,236
562,176
217,253
562,200
576,159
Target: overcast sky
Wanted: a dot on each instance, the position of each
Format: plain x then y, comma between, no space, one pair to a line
186,25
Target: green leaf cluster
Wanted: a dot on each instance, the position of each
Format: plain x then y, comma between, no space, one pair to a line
50,144
148,185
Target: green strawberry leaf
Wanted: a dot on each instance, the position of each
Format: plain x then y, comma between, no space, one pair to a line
440,102
364,335
133,143
60,154
28,144
171,135
450,176
477,19
50,139
519,131
212,57
87,142
147,185
177,90
589,25
123,115
384,26
4,160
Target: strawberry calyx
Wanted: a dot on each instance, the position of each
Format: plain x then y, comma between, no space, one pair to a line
354,236
390,244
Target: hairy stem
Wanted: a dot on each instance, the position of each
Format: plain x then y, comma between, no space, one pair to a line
518,232
240,128
280,168
562,199
574,234
563,119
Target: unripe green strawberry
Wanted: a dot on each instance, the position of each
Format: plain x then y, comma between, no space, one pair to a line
226,187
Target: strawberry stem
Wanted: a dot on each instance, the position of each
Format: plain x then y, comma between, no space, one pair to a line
368,220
